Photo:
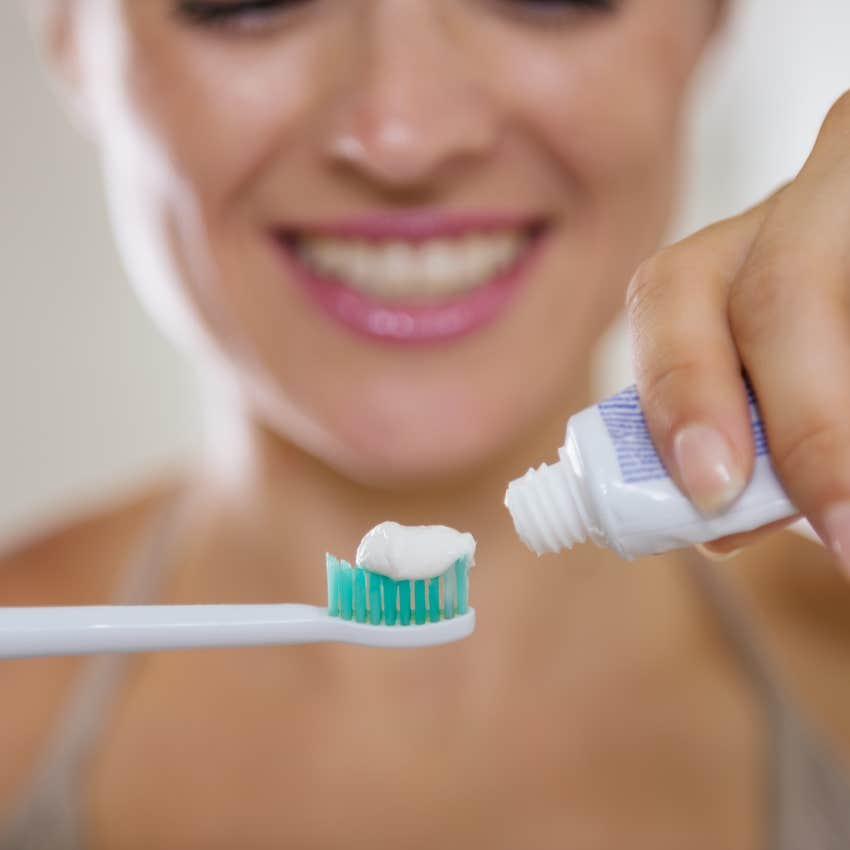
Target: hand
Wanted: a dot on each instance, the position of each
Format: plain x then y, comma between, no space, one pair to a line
768,292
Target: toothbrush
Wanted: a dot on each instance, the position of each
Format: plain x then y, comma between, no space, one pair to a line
363,608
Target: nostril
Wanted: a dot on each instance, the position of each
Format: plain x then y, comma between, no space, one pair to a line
388,147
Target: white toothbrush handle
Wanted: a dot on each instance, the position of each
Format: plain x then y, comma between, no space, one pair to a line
29,632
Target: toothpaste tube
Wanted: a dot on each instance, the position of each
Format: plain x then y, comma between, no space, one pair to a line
610,486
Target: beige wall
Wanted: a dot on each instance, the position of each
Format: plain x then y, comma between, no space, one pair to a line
90,396
93,399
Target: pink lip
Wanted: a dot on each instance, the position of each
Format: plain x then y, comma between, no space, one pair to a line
401,321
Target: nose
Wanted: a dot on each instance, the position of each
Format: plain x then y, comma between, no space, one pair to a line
412,109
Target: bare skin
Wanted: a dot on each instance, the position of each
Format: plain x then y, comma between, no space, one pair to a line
527,719
598,704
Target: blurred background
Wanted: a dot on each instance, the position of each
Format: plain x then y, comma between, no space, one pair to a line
94,401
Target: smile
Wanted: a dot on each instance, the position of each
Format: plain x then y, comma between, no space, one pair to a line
432,269
413,278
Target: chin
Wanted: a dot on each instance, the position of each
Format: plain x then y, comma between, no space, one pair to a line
416,458
405,472
406,476
427,453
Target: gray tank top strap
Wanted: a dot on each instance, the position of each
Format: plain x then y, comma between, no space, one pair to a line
807,805
48,813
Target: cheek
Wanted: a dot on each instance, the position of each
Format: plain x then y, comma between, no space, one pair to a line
216,118
191,123
607,106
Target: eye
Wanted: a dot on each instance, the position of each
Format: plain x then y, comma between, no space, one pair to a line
564,4
548,11
237,15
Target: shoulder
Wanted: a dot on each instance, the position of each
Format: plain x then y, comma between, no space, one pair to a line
799,600
76,563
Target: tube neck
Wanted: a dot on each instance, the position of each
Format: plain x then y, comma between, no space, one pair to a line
544,510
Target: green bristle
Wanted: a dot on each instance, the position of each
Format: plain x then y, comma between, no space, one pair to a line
434,600
390,600
346,580
404,602
450,593
374,598
462,573
369,597
359,595
420,610
333,584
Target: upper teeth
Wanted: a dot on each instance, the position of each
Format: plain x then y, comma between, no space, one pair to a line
432,267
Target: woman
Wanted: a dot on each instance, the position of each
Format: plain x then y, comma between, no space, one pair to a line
394,230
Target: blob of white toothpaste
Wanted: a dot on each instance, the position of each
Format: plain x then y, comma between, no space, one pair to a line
413,551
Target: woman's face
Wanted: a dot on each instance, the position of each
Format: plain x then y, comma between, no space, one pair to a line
403,222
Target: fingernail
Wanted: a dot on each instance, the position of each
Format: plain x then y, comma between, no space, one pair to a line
707,467
836,524
717,557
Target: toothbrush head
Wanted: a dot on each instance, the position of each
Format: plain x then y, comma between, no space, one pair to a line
370,598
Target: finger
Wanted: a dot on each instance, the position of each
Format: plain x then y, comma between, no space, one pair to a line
734,543
687,366
790,318
830,148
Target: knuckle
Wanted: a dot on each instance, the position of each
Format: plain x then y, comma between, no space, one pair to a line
817,445
662,387
651,276
830,146
756,296
839,112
